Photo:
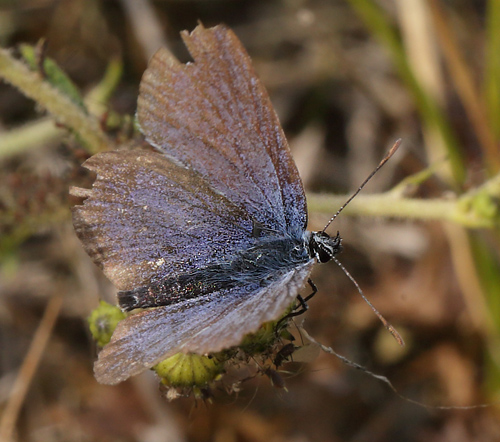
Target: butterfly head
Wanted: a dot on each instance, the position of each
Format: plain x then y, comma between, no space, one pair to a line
324,247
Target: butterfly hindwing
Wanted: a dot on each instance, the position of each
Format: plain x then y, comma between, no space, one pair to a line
146,219
202,325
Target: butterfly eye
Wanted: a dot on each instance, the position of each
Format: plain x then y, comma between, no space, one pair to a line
323,247
324,254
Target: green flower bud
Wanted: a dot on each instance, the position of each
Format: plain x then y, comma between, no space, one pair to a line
189,370
103,321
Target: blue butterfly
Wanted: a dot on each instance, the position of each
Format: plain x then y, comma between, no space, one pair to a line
209,234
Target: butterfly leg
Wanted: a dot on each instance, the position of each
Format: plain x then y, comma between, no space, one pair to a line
303,301
302,307
313,288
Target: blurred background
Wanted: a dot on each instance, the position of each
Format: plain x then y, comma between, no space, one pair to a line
347,78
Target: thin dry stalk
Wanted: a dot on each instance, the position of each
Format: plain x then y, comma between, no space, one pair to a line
462,77
29,366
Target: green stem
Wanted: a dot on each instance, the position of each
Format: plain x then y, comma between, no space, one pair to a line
387,205
25,137
65,111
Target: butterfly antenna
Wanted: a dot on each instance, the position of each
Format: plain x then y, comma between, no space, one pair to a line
384,321
384,160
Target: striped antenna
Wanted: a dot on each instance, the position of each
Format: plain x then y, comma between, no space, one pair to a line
384,160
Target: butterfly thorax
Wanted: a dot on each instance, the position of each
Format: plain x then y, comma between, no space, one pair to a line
260,264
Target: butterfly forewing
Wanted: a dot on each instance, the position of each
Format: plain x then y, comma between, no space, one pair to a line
214,116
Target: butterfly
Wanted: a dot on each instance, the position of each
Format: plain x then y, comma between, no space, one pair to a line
207,235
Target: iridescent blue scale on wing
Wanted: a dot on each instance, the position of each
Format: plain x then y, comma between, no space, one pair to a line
148,219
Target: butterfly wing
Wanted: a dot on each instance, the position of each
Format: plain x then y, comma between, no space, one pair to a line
146,218
214,116
202,325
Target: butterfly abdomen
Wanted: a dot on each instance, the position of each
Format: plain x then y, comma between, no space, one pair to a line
171,291
141,297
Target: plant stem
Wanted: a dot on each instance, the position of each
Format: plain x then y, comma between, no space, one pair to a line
66,112
386,205
25,137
